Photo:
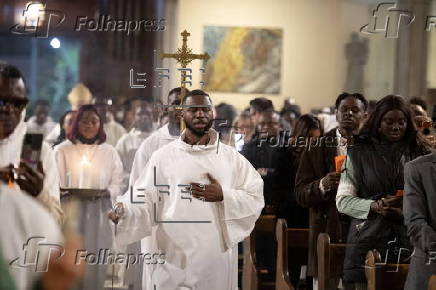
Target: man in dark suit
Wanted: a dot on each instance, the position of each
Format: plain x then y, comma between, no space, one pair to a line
419,209
317,179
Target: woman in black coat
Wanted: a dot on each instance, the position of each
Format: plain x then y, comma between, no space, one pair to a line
372,181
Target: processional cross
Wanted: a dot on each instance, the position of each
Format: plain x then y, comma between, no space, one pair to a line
184,56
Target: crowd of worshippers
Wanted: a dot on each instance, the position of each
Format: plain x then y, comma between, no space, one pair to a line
364,172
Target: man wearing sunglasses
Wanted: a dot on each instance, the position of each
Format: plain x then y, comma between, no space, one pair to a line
41,183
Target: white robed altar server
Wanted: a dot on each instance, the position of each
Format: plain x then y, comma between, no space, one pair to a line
85,161
198,230
164,135
129,143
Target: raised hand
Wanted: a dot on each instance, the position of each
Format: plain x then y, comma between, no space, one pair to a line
116,213
331,181
29,179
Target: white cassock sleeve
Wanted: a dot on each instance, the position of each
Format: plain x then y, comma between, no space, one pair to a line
141,159
243,203
116,171
138,218
123,152
50,195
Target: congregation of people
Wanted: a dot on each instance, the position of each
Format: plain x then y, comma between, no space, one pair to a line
186,178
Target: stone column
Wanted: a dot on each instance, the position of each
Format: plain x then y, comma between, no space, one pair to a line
411,64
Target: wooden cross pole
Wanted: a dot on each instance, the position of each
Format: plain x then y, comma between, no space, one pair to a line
184,56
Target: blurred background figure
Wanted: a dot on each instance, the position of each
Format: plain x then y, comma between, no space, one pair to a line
66,123
224,117
78,96
129,143
371,106
290,113
423,122
328,119
40,122
419,106
113,130
142,127
130,109
308,128
242,130
271,159
257,106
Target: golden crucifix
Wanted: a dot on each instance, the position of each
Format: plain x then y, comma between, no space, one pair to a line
184,56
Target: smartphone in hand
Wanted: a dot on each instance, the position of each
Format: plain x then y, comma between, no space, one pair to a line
31,150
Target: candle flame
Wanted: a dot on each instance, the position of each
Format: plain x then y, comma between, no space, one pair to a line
11,183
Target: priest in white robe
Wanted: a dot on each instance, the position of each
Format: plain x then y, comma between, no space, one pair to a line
197,229
12,132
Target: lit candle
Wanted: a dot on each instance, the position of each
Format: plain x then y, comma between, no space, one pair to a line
84,176
100,181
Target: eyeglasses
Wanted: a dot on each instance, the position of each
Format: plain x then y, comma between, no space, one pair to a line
13,103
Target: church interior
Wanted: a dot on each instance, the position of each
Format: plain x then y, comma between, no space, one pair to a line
93,93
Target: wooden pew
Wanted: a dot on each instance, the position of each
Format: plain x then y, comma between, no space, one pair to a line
251,274
287,238
330,262
381,276
432,283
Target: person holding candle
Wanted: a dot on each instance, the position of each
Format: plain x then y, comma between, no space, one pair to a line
91,170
